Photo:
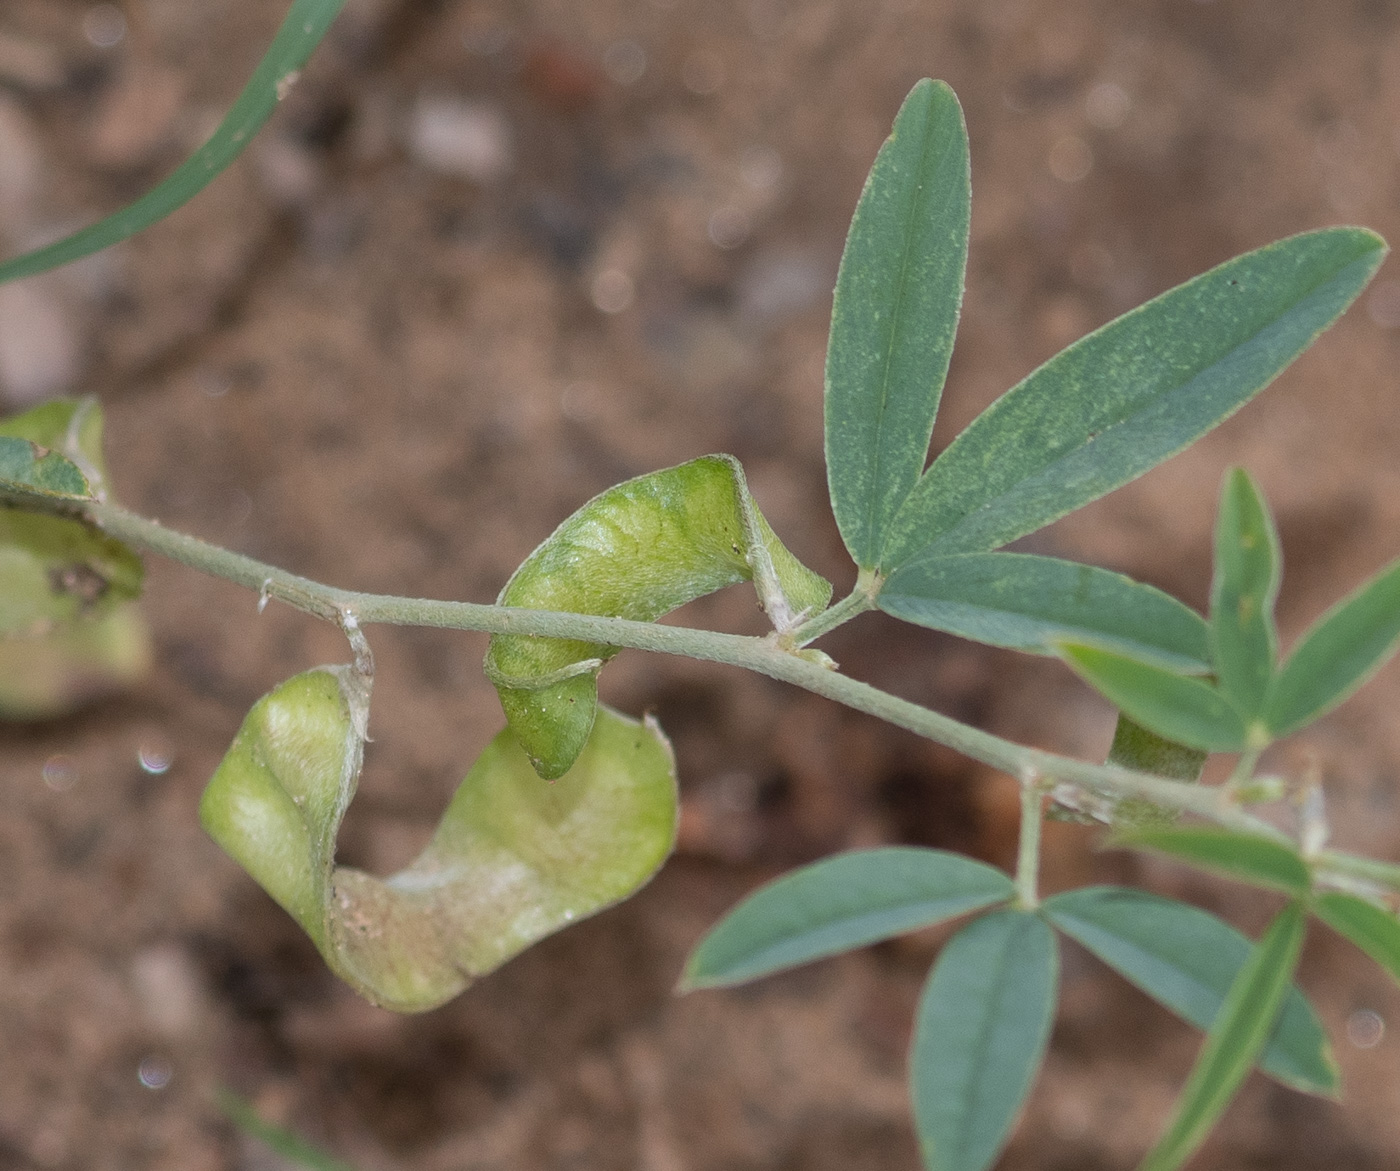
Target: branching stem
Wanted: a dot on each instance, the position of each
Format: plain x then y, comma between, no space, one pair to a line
761,655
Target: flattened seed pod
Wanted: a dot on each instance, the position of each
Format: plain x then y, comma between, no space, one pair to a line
638,551
513,859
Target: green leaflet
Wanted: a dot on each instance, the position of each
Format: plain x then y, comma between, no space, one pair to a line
636,551
1180,708
29,469
1186,959
1373,930
72,429
1259,861
1337,654
1028,603
839,904
300,33
1244,643
894,315
1134,392
983,1022
513,860
1238,1034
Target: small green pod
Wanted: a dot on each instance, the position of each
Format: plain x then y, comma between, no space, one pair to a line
68,630
637,551
514,859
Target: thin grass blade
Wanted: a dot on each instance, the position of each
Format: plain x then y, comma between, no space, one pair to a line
299,35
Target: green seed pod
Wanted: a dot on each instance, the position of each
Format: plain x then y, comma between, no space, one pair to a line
636,551
68,630
513,859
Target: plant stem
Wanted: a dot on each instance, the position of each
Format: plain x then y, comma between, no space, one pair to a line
1028,849
762,655
858,601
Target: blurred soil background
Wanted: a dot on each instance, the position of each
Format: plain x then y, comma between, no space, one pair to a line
490,258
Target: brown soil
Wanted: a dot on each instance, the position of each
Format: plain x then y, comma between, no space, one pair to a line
347,362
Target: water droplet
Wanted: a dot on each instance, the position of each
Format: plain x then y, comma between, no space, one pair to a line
1106,105
104,26
702,73
213,383
625,62
60,773
153,759
728,227
154,1072
1365,1028
1070,159
761,168
1383,304
580,401
612,290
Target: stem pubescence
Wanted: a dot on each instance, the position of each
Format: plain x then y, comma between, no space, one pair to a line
760,655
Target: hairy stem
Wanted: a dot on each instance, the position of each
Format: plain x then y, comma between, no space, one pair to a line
762,655
1028,850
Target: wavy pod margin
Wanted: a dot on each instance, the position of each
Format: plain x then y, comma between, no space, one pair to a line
513,859
638,551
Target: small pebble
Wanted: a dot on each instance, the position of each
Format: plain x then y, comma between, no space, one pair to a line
39,345
168,988
781,283
455,137
28,64
136,117
21,164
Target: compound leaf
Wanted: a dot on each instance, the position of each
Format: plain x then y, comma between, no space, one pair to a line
839,904
514,859
1249,858
1180,708
894,315
636,551
1373,930
1134,392
301,32
983,1022
1029,603
1337,654
1235,1039
1243,639
1186,959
